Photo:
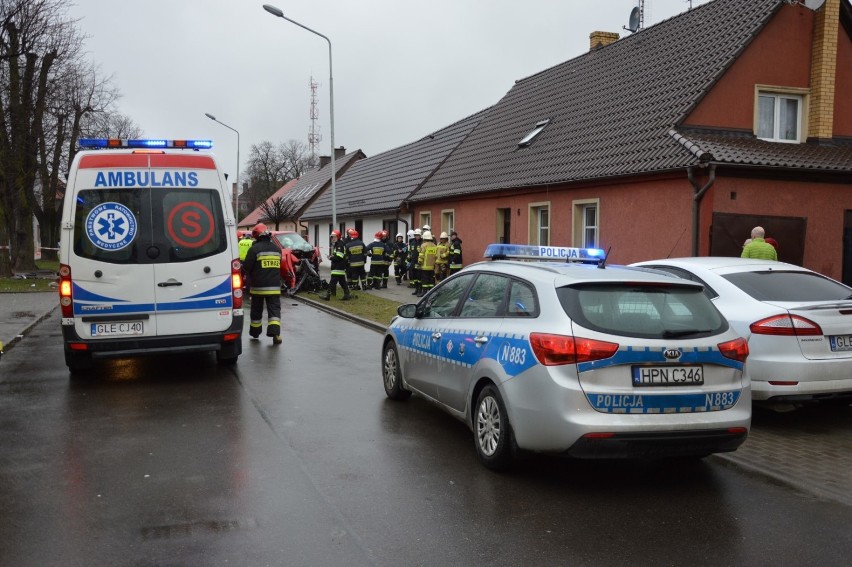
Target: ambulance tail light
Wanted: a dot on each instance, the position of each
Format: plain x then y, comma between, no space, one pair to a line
65,299
554,350
237,284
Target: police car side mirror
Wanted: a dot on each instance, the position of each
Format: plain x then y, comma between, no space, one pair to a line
408,311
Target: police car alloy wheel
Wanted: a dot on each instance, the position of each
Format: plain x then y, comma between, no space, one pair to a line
392,374
492,433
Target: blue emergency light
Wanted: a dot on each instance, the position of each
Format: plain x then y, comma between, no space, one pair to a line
544,253
100,143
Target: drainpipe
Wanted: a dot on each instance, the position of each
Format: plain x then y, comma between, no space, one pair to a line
697,196
399,220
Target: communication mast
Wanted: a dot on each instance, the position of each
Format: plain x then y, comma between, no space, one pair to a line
314,137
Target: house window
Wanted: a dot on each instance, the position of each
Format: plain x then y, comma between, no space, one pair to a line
586,222
425,218
779,117
540,224
448,221
528,139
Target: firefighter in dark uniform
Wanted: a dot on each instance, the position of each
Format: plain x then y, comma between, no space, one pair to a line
263,265
413,261
380,253
455,253
400,257
355,251
338,268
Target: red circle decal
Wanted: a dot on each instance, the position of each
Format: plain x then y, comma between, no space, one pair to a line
190,224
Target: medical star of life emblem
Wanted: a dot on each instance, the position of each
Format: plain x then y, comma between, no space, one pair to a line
449,347
110,226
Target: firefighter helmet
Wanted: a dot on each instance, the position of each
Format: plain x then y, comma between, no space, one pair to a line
353,233
259,230
378,235
443,235
384,233
410,233
417,232
336,234
426,227
427,235
400,235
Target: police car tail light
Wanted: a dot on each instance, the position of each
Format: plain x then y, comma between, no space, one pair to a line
736,349
65,299
554,350
786,325
236,284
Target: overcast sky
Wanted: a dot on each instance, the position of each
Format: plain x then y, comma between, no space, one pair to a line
402,69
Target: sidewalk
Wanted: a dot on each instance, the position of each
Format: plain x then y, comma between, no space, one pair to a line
20,312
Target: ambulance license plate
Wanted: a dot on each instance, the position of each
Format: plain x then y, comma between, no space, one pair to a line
117,329
668,375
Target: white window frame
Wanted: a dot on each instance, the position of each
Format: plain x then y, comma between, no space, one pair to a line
780,94
425,218
448,220
580,206
537,229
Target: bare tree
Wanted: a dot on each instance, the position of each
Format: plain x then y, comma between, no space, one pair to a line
278,210
34,37
269,167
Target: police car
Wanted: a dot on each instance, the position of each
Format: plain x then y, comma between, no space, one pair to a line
148,253
567,355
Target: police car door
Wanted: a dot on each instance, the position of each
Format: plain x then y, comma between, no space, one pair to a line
470,341
110,233
190,249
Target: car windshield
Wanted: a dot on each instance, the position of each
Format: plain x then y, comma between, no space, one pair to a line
293,241
774,285
642,310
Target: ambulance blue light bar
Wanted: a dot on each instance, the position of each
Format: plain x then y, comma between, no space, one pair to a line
100,143
543,253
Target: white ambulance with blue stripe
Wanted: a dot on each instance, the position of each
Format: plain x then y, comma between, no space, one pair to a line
149,262
567,355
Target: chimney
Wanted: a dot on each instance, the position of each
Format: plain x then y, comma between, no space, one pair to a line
338,153
600,39
823,71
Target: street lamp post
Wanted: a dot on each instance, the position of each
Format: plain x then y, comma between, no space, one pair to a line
237,192
277,12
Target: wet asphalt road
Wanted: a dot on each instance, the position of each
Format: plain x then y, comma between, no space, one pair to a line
295,457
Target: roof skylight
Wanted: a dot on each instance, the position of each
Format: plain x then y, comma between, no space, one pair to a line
528,139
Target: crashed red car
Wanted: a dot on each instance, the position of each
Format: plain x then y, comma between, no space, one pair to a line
295,274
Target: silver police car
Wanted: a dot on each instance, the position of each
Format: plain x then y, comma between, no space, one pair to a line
567,355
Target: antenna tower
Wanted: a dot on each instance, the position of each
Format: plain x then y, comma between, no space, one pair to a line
314,137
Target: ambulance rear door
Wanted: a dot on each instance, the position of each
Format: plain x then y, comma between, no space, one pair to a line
192,249
108,253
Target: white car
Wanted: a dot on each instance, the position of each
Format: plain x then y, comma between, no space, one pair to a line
566,357
798,324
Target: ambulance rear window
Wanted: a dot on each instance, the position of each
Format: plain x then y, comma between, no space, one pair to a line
148,226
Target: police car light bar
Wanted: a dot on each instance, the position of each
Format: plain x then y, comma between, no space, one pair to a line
525,252
99,143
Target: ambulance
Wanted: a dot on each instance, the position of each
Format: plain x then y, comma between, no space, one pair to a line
149,262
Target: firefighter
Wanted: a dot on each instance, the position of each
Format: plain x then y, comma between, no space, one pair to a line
442,261
400,257
338,259
455,252
413,258
377,253
263,266
385,266
426,259
357,258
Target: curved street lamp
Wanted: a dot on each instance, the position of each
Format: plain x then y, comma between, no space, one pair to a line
237,192
277,12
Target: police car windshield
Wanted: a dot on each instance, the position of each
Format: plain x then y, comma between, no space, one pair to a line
645,311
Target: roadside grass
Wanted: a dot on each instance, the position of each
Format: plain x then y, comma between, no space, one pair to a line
365,305
40,281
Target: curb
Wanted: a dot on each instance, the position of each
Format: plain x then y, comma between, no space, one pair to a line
323,306
8,346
